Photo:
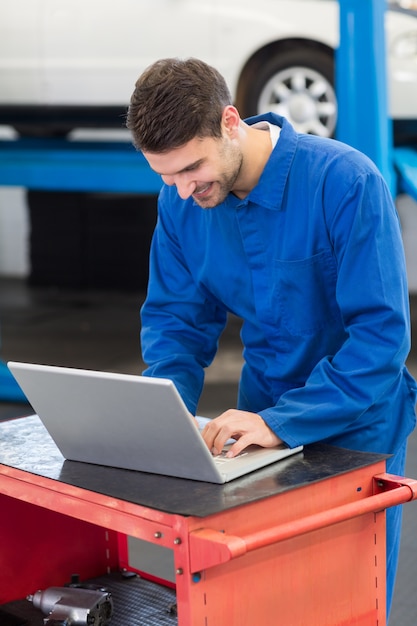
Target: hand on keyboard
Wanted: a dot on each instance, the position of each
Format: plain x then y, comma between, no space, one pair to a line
245,427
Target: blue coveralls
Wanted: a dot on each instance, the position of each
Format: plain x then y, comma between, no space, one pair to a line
312,261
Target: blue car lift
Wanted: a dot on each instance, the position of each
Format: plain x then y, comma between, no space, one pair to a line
363,122
64,165
361,86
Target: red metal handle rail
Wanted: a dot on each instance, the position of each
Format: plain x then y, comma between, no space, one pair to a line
211,547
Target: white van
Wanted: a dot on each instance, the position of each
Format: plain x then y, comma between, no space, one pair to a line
73,63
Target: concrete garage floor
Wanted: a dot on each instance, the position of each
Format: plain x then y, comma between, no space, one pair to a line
100,330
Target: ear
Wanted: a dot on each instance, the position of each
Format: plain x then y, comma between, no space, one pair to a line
230,120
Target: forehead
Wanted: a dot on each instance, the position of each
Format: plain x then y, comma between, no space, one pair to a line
179,159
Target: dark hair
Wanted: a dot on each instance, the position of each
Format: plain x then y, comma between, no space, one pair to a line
174,101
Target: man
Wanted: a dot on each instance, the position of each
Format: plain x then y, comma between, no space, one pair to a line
298,236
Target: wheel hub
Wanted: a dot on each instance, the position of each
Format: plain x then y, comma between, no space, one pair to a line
301,108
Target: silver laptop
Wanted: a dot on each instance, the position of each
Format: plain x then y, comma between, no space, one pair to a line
130,422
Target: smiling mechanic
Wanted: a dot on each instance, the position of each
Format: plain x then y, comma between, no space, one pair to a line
298,236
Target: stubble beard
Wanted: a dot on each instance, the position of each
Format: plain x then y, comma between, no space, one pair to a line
224,186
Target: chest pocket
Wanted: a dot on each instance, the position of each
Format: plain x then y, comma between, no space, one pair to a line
305,293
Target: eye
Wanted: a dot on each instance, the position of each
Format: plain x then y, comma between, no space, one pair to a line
193,167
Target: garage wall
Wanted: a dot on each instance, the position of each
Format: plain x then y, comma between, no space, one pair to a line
14,242
407,210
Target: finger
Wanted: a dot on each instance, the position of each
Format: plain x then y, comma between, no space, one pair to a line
225,437
209,434
218,444
238,447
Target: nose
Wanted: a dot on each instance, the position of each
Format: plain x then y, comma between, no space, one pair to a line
185,187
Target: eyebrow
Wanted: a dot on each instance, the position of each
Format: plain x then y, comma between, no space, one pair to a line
187,168
191,166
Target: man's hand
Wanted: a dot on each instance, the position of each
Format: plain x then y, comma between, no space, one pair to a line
247,428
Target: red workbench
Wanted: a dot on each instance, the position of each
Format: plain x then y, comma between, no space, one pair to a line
299,542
